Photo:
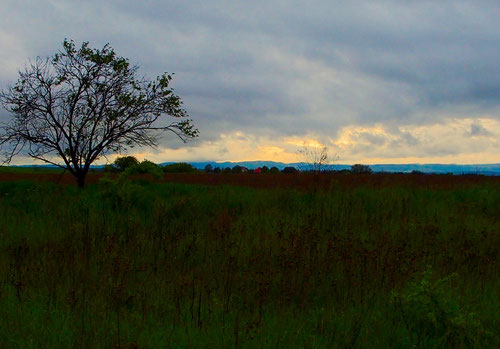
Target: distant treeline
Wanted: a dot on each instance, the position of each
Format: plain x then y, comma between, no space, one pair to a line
134,166
124,162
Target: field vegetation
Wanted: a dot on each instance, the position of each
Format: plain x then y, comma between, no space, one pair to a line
249,261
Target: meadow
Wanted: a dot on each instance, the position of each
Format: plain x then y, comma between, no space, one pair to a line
250,261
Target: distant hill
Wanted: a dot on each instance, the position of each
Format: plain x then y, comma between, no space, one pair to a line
483,169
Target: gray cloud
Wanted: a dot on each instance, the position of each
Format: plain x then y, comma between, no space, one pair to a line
409,139
477,129
287,68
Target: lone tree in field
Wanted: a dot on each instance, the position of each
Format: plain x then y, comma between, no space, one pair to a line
314,159
81,104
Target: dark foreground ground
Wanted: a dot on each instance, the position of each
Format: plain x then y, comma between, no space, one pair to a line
250,261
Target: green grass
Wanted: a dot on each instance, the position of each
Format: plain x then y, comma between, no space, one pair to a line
159,265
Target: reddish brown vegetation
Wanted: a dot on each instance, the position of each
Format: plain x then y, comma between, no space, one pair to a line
59,178
307,181
297,181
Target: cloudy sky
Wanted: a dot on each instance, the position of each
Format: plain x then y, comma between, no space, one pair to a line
380,81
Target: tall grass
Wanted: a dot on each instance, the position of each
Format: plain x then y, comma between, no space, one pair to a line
155,265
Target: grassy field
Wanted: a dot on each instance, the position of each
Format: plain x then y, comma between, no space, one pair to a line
380,261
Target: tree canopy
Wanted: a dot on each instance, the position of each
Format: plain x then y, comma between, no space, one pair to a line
124,162
85,103
360,168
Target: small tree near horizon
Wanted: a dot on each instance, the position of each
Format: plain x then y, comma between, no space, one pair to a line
314,159
83,104
290,170
360,168
123,162
179,167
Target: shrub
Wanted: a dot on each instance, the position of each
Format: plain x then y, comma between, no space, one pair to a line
144,167
358,168
274,169
110,168
433,316
124,162
290,169
180,167
237,169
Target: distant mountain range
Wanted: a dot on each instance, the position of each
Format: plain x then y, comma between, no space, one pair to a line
483,169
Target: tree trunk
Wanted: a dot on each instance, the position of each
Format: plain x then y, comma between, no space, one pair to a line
80,179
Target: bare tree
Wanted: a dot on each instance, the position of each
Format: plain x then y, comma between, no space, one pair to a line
314,159
84,103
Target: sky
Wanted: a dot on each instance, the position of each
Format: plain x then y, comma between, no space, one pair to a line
380,81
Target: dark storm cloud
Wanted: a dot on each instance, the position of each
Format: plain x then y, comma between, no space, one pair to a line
281,68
